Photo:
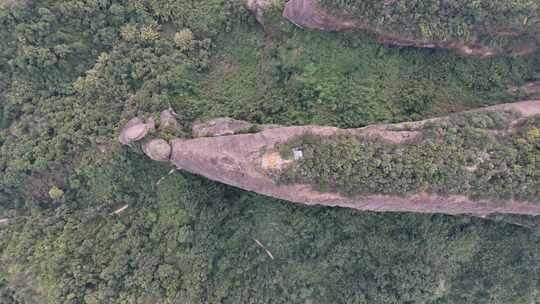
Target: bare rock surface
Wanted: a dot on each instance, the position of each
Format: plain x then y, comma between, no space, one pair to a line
135,130
157,149
219,127
308,14
248,161
167,121
258,7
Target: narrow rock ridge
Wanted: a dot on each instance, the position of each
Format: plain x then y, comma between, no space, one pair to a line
308,14
247,161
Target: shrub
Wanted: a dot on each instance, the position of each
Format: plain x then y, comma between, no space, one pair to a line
183,39
56,193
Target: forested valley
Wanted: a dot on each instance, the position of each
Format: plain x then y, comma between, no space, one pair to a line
72,72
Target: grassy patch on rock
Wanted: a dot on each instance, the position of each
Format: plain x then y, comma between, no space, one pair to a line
463,155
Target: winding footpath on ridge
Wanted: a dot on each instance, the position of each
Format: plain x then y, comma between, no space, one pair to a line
247,161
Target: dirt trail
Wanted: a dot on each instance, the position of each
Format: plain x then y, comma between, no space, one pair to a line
247,161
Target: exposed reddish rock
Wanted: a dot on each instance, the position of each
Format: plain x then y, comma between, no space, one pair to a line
157,149
465,49
219,127
258,7
135,130
248,161
308,14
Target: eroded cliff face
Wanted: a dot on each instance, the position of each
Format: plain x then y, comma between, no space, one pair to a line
309,14
251,161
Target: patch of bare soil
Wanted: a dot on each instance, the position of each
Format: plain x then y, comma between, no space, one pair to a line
306,14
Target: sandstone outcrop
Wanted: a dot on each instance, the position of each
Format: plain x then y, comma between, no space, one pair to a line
308,14
249,160
157,149
136,129
220,127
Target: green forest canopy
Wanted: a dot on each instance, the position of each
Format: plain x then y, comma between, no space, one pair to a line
73,71
445,20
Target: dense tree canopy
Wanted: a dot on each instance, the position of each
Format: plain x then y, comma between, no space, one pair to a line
443,20
491,155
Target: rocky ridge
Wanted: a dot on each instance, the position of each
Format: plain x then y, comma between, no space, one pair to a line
248,161
308,14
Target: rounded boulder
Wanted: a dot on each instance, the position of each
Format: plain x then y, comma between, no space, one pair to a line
157,149
134,130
